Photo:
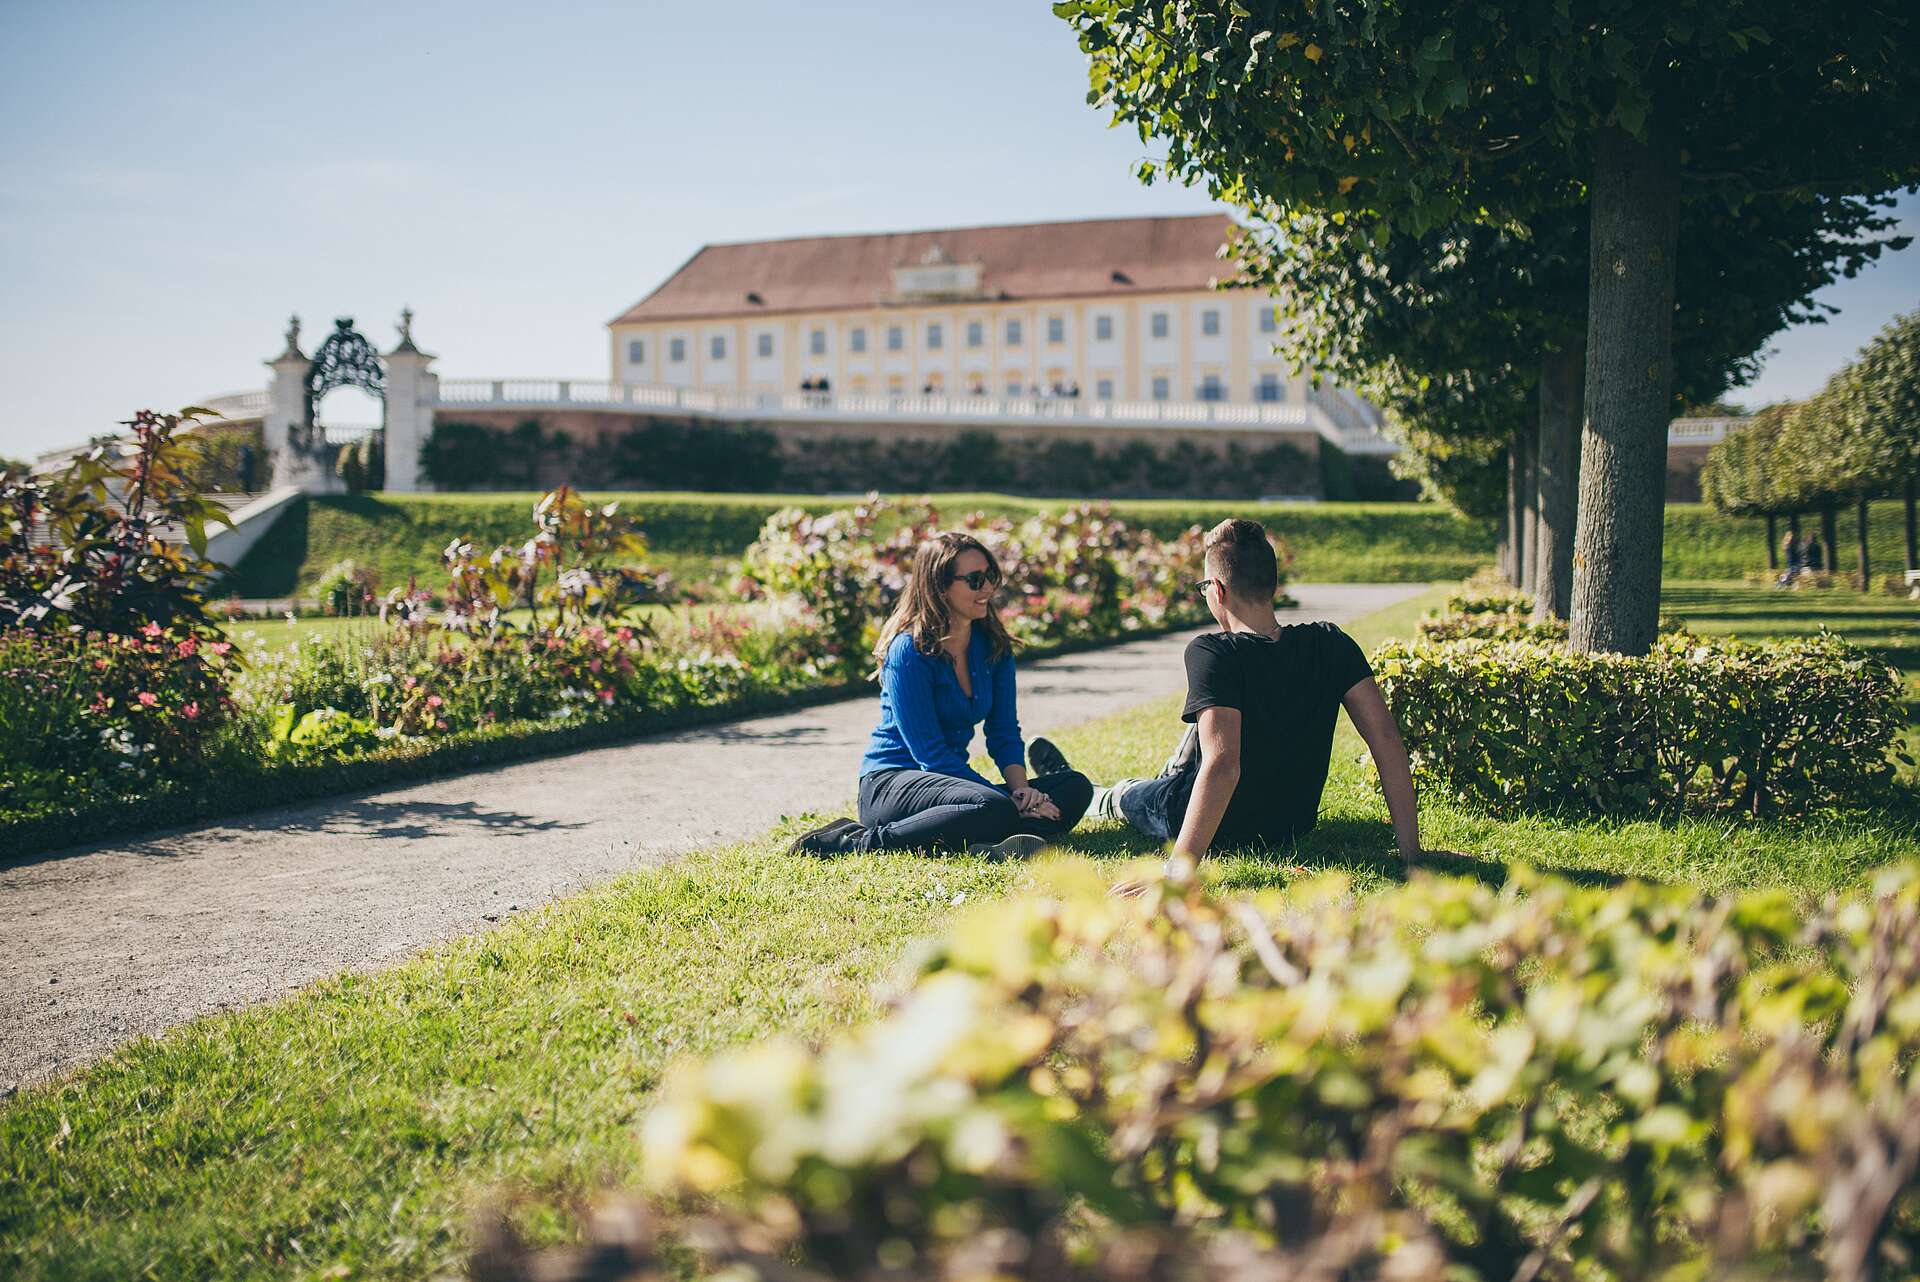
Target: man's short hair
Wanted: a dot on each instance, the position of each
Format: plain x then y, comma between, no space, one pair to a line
1238,550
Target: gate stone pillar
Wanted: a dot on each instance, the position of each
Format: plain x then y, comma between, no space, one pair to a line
286,403
412,391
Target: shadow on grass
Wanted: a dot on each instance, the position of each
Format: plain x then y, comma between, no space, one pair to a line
1361,846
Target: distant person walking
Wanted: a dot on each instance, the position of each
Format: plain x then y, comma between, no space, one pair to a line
1794,557
1814,557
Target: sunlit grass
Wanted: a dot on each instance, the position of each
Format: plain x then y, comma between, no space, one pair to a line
355,1124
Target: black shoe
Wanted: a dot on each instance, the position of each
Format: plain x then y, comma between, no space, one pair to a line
1046,759
828,839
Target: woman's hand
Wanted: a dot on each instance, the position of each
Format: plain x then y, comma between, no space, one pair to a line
1034,804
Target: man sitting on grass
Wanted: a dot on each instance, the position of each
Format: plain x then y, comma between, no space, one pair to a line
1262,699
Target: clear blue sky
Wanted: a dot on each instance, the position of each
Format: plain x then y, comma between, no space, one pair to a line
176,178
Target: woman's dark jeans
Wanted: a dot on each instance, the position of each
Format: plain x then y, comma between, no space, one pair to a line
920,810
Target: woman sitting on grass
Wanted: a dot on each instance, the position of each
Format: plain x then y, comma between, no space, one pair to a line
946,664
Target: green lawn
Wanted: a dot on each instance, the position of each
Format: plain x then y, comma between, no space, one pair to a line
699,537
348,1130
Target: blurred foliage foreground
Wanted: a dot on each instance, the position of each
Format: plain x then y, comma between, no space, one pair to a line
1159,1081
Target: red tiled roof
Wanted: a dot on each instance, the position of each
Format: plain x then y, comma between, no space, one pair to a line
1025,260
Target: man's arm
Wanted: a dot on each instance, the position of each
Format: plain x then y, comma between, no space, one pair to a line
1213,787
1374,721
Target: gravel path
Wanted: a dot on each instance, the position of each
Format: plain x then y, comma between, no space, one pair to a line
102,944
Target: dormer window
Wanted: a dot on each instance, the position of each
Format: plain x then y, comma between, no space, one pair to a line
753,296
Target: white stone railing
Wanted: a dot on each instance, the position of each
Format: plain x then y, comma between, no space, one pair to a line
1700,431
237,405
1326,412
546,393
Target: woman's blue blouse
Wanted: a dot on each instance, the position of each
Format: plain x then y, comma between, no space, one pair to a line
927,721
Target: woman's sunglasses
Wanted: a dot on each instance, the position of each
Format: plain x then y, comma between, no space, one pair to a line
975,579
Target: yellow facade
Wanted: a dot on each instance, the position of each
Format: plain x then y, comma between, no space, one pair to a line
1031,345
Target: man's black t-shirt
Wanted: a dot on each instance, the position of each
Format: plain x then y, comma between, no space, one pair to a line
1288,691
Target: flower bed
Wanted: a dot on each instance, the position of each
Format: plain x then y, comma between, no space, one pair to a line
529,642
1441,1080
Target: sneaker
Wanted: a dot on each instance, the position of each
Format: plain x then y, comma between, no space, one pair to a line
1046,759
1022,845
828,839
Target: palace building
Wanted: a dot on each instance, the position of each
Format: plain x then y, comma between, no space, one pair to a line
1115,309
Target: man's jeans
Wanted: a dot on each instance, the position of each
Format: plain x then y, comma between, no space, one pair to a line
1154,806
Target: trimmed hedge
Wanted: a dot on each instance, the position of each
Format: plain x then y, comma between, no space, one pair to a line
1786,727
1442,1080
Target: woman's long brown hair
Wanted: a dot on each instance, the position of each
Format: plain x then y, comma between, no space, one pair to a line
922,613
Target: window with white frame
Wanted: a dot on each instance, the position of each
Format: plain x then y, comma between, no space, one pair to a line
677,350
1103,389
636,351
1157,325
857,338
717,347
1056,330
936,336
1269,320
896,338
1161,388
1211,388
817,342
976,334
1103,329
1210,322
1270,388
763,344
1016,335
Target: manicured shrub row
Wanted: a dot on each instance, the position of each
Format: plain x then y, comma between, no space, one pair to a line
1442,1080
1788,727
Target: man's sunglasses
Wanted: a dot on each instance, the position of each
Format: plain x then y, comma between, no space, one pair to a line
975,579
1201,585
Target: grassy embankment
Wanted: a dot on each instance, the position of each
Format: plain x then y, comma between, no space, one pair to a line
701,536
347,1131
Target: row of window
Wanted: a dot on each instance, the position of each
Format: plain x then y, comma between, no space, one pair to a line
1159,325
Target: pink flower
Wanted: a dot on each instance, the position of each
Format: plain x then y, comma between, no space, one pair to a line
439,725
151,630
434,701
191,711
186,648
606,696
148,699
411,682
593,665
221,647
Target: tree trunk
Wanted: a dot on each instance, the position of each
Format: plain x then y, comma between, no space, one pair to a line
1557,465
1773,543
1829,539
1913,533
1530,506
1516,566
1860,538
1793,524
1628,398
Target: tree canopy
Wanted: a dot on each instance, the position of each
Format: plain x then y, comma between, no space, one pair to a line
1408,118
